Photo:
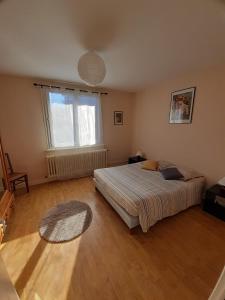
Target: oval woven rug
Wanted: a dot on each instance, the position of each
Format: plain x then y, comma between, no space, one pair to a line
65,221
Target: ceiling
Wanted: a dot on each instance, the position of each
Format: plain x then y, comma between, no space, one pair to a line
141,41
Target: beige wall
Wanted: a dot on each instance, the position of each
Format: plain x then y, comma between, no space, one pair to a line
116,137
23,133
200,145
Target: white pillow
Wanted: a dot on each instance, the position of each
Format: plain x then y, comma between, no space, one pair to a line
188,173
163,164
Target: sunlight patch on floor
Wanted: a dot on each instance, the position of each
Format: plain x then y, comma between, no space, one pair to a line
41,279
31,270
37,297
18,247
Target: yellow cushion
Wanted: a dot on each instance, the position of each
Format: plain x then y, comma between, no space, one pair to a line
150,165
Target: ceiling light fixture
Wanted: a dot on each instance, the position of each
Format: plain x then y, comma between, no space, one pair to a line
91,68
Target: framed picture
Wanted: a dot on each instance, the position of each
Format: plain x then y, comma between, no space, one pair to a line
118,117
181,106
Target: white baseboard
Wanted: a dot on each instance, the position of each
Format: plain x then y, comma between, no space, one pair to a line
40,181
46,180
32,183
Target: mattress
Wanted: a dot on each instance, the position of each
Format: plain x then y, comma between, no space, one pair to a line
147,194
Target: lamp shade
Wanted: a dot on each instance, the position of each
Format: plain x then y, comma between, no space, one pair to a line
139,153
91,68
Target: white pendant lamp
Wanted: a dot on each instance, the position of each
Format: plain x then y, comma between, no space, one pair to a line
91,68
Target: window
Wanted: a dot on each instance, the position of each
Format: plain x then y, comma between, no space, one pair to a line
73,119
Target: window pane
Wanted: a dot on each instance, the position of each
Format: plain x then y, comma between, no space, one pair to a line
86,124
62,121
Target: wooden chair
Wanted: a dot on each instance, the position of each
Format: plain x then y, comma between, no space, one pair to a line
14,177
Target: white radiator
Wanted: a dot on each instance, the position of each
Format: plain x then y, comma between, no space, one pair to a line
76,164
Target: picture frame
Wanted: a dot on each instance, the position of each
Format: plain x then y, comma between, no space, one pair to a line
181,106
118,117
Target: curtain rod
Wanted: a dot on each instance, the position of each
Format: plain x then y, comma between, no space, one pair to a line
68,89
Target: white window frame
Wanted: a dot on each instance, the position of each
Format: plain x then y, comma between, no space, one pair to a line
47,122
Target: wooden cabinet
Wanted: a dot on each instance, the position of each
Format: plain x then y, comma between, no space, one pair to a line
7,290
7,197
1,232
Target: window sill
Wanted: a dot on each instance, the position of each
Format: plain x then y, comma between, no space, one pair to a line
70,150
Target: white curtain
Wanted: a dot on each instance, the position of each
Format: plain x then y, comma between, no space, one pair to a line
72,118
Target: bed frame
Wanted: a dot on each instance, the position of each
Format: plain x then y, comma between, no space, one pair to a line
130,221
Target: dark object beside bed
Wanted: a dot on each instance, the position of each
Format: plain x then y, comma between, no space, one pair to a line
135,159
211,204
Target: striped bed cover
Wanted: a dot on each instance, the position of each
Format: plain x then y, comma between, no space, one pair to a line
146,194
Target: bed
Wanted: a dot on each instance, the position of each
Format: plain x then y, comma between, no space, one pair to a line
144,197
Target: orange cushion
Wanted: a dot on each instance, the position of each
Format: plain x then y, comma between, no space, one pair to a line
150,165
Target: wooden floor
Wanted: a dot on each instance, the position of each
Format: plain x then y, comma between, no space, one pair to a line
179,258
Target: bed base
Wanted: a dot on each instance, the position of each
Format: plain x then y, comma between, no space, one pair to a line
129,220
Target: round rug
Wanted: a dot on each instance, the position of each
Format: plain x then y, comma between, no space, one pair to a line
65,221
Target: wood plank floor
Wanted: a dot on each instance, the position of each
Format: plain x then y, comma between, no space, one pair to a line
179,258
